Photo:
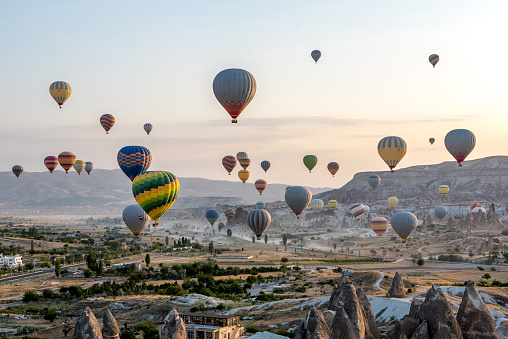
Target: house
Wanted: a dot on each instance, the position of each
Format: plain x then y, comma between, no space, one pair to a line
11,261
212,326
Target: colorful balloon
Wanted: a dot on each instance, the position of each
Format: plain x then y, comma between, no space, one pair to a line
460,142
241,155
230,214
79,166
265,165
367,209
432,140
243,175
298,199
440,212
66,160
357,210
392,149
379,225
475,204
155,192
333,167
434,59
17,170
374,181
403,223
260,185
260,205
212,216
244,162
443,190
229,163
310,162
134,160
107,122
148,128
317,205
333,204
393,201
315,54
88,167
60,91
259,220
51,162
234,89
135,218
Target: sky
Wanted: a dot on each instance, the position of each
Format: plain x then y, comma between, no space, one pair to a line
154,61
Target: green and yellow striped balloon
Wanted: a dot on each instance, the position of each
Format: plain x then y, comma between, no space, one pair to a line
155,192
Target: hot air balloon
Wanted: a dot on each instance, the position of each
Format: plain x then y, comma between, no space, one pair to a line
317,205
440,212
241,155
477,207
288,187
79,166
260,205
379,225
357,210
155,192
135,218
432,140
244,162
333,167
310,162
367,209
60,91
393,201
460,142
298,199
51,162
88,167
229,163
230,214
265,165
260,185
107,122
392,149
134,160
443,190
403,223
148,128
234,89
258,221
434,59
374,181
66,160
17,170
333,204
315,54
212,216
243,175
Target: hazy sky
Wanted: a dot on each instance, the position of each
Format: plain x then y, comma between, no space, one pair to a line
154,61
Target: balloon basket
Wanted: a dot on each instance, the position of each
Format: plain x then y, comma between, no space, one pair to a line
234,121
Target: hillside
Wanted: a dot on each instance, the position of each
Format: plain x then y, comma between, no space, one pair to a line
484,180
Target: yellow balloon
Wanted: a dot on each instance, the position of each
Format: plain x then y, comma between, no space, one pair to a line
333,204
79,166
392,150
243,175
60,91
443,190
393,201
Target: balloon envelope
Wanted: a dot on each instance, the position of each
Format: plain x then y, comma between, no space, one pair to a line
392,149
17,170
148,128
298,199
310,161
317,205
333,204
135,218
443,190
88,167
333,167
107,121
244,162
243,175
241,155
459,143
357,210
265,165
66,160
79,166
234,89
379,225
315,54
134,160
212,216
432,140
230,214
434,59
258,221
478,209
229,163
51,162
403,223
374,181
393,201
260,185
440,212
260,205
60,91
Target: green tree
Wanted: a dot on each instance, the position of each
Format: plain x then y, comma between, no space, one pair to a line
167,241
285,239
486,276
50,315
58,269
128,334
266,238
147,259
87,273
149,331
31,295
210,247
32,245
229,232
253,239
29,266
334,247
284,259
420,262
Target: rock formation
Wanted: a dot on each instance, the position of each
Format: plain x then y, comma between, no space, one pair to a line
174,327
397,287
317,327
87,326
110,328
492,217
474,318
422,332
362,297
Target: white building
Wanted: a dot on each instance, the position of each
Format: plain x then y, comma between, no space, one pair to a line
11,261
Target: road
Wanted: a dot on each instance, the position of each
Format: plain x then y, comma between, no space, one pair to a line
36,273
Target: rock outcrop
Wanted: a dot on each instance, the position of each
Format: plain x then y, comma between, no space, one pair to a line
317,327
474,318
87,326
174,327
397,287
422,332
492,216
110,329
371,321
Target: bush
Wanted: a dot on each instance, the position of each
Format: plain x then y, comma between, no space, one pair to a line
31,295
251,329
480,268
128,334
284,259
50,315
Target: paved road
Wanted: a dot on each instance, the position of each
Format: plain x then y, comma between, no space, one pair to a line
14,278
